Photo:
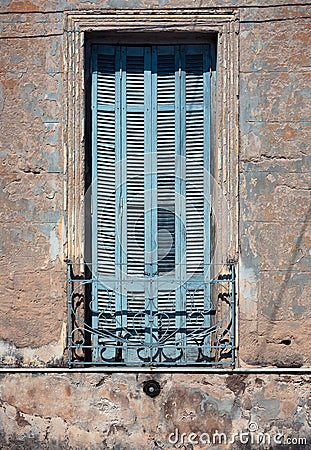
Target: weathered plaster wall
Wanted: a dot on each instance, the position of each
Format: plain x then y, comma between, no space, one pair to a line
33,297
103,411
275,212
100,411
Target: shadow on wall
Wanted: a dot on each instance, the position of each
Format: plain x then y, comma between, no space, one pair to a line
288,357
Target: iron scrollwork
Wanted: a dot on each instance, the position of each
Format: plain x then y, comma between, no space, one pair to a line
152,331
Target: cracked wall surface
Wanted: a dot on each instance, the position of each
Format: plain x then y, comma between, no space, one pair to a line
94,411
274,170
100,411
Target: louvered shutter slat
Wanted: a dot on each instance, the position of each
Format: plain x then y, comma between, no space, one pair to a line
135,150
167,123
194,162
135,193
104,197
166,142
105,163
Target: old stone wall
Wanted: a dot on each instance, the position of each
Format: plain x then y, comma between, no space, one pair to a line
274,184
100,411
111,411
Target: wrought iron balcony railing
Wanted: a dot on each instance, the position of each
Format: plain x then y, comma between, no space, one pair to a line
190,325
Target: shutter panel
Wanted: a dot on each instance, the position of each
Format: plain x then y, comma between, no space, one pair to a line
194,159
104,198
166,143
135,95
167,122
135,193
135,143
197,104
104,162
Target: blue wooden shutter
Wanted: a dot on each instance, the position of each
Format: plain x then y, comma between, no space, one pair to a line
133,130
150,109
196,128
167,121
136,101
104,93
183,127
